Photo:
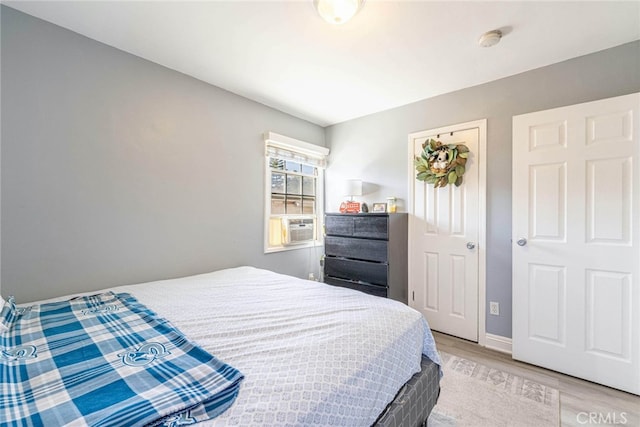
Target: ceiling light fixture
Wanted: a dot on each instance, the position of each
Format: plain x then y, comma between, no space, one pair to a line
490,38
337,11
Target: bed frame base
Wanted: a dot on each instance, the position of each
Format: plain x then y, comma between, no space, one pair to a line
415,400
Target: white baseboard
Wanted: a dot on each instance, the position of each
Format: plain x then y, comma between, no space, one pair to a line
496,342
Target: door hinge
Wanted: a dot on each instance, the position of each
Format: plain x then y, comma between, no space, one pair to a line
413,295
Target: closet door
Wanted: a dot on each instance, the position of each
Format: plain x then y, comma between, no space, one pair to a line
444,234
576,258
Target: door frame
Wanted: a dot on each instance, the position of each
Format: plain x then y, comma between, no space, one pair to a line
482,209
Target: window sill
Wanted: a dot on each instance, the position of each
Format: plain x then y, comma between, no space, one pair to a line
314,244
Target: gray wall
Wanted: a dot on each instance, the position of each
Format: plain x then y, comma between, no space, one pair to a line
116,170
375,148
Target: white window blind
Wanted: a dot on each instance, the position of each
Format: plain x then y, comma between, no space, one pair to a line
285,148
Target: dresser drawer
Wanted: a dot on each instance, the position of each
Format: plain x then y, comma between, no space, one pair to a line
371,227
379,291
369,272
349,247
366,226
338,225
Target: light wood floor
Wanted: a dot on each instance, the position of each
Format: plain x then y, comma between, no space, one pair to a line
582,403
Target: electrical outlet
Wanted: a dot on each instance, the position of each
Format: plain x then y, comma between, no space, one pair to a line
494,308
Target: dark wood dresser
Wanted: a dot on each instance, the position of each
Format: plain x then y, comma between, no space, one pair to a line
367,252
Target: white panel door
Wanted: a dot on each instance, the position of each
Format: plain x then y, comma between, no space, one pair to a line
576,246
443,242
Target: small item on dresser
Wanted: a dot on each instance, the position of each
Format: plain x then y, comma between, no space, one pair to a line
353,187
365,208
392,207
350,207
379,207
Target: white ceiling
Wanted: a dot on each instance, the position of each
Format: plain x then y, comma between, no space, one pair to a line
282,54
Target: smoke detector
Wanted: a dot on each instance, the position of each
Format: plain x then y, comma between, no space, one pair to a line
490,38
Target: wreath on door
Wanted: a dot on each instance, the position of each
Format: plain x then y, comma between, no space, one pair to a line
441,164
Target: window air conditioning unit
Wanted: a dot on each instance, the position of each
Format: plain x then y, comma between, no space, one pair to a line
298,230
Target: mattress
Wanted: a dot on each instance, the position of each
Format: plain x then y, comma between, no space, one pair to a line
311,354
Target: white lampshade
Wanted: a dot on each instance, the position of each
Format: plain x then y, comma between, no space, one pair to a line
337,11
353,187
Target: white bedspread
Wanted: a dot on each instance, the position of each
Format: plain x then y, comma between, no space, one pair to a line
311,354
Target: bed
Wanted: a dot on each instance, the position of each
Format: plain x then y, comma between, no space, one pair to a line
308,353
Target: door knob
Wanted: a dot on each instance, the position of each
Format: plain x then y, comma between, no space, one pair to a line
521,241
471,245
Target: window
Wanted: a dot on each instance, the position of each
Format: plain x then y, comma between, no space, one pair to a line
293,192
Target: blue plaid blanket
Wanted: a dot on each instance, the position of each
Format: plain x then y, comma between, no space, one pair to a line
105,360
